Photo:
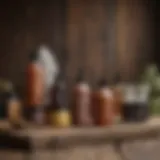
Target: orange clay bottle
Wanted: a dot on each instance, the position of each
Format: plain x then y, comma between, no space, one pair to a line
118,98
35,85
81,109
103,105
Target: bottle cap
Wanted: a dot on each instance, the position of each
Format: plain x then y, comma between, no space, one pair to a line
102,82
34,55
80,76
117,78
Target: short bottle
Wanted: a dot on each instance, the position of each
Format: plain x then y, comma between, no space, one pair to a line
81,97
103,107
6,87
60,115
14,109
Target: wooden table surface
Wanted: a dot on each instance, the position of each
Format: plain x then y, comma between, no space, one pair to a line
118,130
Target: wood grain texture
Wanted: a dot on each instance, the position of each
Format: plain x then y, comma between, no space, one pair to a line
77,28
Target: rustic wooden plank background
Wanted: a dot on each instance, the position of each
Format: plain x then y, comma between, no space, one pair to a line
81,28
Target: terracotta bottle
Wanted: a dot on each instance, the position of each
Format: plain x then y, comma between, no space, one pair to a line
35,85
60,115
103,105
118,97
81,107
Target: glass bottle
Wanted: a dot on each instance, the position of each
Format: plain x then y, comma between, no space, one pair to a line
103,110
34,85
60,114
14,109
81,107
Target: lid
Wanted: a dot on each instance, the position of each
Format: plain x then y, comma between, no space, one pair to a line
117,78
102,82
61,91
80,76
11,95
34,55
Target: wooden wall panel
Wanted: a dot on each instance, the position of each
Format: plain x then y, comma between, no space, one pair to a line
82,29
93,40
134,37
23,26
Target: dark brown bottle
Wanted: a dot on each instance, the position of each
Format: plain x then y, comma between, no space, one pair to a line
103,107
34,85
81,107
60,114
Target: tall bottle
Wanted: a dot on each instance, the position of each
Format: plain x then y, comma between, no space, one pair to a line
103,105
35,85
60,114
118,97
81,107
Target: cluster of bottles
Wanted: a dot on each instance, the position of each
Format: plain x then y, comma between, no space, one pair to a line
102,106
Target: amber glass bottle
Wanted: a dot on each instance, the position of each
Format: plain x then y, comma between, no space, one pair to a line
34,85
103,105
14,109
81,107
60,114
118,97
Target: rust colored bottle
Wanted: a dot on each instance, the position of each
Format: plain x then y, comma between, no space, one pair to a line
81,107
60,114
103,107
35,85
118,98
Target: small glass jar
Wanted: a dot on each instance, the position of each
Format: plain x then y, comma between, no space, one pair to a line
135,105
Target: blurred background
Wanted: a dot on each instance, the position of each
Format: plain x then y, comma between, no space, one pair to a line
126,32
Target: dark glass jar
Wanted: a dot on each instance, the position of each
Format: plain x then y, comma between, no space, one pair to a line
135,107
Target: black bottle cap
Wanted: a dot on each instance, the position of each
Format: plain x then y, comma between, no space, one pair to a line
117,78
34,55
61,92
11,95
102,82
80,76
